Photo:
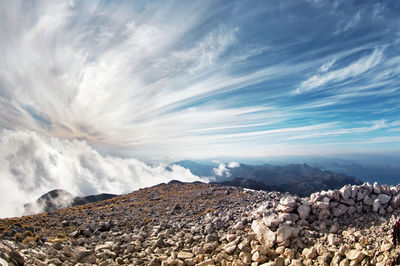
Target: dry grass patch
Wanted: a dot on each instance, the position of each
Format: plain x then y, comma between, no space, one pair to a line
30,239
58,238
209,210
27,233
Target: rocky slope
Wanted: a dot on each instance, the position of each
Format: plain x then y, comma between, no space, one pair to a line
211,224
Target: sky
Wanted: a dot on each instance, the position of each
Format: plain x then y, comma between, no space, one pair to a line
192,79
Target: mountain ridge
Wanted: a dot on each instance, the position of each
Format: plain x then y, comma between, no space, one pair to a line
212,224
60,198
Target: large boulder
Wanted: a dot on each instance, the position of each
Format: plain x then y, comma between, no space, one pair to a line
287,204
339,210
368,200
395,202
304,211
272,220
376,205
346,192
286,232
355,255
384,199
263,234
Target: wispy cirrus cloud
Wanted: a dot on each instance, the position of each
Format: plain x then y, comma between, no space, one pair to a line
325,67
376,125
348,24
185,78
353,70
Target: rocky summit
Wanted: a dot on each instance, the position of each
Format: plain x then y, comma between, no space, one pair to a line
211,224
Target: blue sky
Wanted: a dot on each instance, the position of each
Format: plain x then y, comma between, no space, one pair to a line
191,79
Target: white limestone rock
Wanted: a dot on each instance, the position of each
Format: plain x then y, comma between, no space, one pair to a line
310,253
263,234
304,211
345,192
354,192
368,200
360,195
355,255
287,204
230,247
272,220
324,214
377,188
376,205
289,201
339,210
384,199
351,210
288,217
257,257
382,211
286,232
324,204
395,202
334,239
106,245
183,255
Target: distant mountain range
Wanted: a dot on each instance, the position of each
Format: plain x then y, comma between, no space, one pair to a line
381,168
199,169
300,179
59,198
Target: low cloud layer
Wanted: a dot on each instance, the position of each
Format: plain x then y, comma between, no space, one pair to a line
32,164
223,170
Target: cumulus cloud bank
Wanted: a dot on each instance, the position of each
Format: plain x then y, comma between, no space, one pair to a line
32,164
223,169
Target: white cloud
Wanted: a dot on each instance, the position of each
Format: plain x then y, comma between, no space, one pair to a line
378,10
355,69
348,23
233,164
32,164
374,125
325,67
119,78
160,78
204,54
352,22
223,168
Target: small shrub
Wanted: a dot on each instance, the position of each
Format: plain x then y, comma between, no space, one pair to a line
57,239
147,221
60,235
208,210
28,240
27,233
3,227
19,237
